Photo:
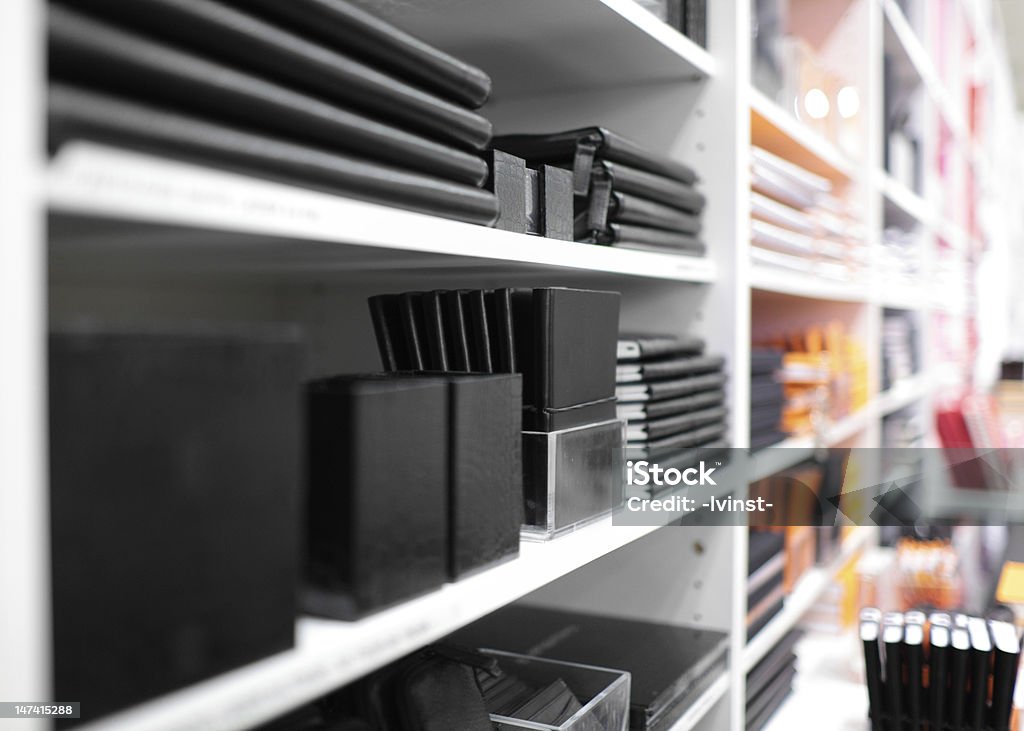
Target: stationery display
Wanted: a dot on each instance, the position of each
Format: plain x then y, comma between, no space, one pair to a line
770,682
946,670
669,666
625,196
155,436
563,342
671,395
797,222
767,398
263,91
414,479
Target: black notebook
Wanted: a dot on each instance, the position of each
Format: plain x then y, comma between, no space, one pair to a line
77,114
670,666
630,209
340,24
249,42
93,53
643,449
581,147
639,238
658,409
639,431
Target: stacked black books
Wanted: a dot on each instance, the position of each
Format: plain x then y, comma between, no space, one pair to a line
950,671
315,93
625,196
766,570
671,395
770,682
767,398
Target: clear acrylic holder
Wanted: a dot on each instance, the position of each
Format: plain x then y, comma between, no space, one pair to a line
604,693
571,477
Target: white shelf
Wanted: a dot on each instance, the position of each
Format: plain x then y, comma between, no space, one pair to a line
281,228
329,654
809,588
803,284
903,394
909,202
796,449
783,134
536,47
704,703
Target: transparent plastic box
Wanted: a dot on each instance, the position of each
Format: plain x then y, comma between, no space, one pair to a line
571,477
604,693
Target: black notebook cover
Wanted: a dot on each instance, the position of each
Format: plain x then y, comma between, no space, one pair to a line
414,329
436,331
629,209
501,330
770,701
251,43
626,179
641,238
456,332
668,664
669,368
639,346
385,314
76,114
340,24
556,202
980,661
666,445
1004,672
508,183
478,332
566,341
93,53
581,147
763,546
662,390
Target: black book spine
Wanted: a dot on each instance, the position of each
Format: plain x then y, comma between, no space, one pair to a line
508,183
414,329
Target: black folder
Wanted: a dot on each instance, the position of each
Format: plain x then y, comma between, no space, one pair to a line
639,346
455,328
340,24
435,331
693,438
414,329
669,368
643,238
76,114
500,329
658,409
387,327
629,209
581,147
89,52
1004,673
665,427
249,42
626,179
478,333
662,390
870,625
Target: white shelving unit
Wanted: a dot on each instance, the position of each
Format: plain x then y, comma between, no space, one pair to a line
134,237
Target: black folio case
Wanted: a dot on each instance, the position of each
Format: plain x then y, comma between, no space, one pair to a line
175,475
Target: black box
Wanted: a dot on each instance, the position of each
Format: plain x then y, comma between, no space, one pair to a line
175,470
377,517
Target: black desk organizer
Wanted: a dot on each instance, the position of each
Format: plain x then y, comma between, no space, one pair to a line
563,341
175,474
414,479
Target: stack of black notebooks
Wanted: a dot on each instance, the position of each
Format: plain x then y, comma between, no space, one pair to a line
625,196
317,93
950,671
770,682
671,395
670,666
767,398
766,566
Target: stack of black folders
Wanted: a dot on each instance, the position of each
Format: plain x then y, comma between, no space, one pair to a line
671,394
939,671
766,565
625,196
770,682
767,398
317,93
